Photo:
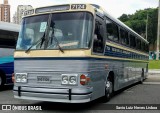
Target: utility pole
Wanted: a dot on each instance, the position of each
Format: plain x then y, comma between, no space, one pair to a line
147,27
158,32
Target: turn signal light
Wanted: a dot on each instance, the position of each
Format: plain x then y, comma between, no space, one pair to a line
84,79
13,78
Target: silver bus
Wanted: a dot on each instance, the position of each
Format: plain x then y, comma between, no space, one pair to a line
8,36
76,53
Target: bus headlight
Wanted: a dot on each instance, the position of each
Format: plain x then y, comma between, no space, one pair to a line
18,78
21,77
69,79
73,80
64,79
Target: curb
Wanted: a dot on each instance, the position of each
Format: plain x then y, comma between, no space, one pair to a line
154,71
152,83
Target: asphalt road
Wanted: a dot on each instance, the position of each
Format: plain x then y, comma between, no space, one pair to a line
146,93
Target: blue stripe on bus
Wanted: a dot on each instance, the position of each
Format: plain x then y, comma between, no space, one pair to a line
6,59
109,51
116,52
70,58
59,58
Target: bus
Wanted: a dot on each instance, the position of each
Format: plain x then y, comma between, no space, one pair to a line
76,53
8,36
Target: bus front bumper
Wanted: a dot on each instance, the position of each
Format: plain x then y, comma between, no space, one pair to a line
66,95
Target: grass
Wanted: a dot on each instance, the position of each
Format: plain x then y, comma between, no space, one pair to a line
154,64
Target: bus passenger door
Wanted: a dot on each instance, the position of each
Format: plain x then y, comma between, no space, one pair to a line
99,72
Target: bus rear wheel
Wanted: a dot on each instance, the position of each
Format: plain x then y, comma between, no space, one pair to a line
142,77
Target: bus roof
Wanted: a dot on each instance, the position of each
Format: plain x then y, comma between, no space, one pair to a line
9,26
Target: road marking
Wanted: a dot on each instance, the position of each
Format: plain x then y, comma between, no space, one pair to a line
151,83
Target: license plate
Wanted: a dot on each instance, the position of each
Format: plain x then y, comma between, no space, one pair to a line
44,79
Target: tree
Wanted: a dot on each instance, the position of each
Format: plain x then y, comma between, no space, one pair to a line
124,18
137,22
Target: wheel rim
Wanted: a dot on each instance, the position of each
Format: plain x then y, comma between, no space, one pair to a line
108,88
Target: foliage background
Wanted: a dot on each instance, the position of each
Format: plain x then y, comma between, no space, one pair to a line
137,22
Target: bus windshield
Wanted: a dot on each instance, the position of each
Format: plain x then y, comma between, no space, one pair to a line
50,31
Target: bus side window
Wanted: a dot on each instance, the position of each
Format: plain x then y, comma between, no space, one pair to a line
98,45
138,44
143,46
132,41
112,31
124,39
146,48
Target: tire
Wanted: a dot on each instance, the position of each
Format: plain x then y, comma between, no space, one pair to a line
108,91
142,77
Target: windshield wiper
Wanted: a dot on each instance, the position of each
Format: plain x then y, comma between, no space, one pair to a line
54,37
42,39
59,47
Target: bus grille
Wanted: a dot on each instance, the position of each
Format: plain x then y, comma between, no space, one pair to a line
54,79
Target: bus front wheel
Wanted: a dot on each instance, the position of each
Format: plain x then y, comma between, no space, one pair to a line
108,91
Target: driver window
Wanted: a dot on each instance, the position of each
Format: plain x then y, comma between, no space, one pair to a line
98,44
28,38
